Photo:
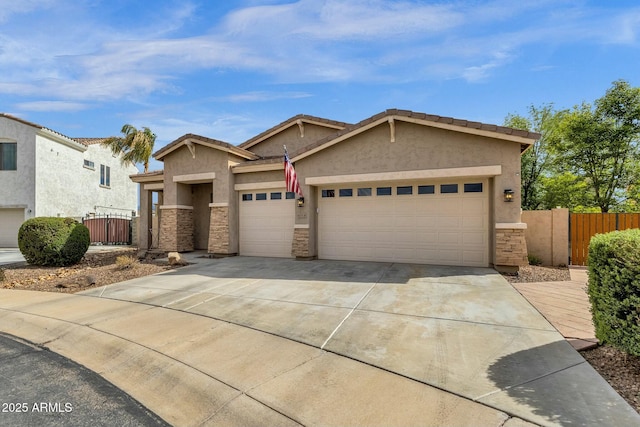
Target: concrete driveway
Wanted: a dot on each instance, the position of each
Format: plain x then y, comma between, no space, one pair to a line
326,343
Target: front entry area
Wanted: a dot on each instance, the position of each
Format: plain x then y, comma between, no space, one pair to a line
266,223
443,222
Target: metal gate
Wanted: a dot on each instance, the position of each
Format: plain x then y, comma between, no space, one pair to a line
109,229
583,226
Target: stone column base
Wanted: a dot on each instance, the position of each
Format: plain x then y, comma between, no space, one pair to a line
176,229
511,247
219,232
300,244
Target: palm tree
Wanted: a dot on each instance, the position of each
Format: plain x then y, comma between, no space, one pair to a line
136,145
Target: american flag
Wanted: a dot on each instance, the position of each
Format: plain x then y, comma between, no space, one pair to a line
290,175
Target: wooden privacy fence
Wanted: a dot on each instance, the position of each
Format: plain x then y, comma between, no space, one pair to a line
109,229
583,226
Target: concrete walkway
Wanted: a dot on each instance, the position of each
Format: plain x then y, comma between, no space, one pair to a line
257,341
566,306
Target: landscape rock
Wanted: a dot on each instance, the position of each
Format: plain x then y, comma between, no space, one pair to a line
175,259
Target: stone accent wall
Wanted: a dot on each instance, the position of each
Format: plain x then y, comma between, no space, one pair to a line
300,245
176,230
511,247
135,223
219,231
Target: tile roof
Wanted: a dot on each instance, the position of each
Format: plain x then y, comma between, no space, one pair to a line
289,122
420,116
91,141
224,145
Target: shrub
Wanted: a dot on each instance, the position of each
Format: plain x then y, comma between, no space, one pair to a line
53,241
534,260
125,262
2,275
614,288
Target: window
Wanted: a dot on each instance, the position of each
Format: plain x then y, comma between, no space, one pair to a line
448,188
328,193
364,192
247,197
475,187
261,196
290,195
8,156
89,164
276,196
383,191
426,189
405,190
105,176
346,192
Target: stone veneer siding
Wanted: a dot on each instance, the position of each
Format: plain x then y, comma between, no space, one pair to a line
300,245
176,230
219,231
511,247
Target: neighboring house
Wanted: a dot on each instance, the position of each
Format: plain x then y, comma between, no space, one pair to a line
44,173
397,187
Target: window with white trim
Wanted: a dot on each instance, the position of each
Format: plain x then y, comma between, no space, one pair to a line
105,176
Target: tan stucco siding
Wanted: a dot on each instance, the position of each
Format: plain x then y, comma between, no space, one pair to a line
259,177
292,139
181,162
419,147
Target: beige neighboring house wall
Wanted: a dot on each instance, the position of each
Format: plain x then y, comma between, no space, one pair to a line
547,235
392,148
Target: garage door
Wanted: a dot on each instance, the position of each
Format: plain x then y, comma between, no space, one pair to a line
266,223
10,222
416,222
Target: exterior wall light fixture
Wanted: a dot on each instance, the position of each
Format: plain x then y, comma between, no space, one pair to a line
508,195
301,202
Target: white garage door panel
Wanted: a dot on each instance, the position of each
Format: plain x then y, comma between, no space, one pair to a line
422,228
266,226
10,222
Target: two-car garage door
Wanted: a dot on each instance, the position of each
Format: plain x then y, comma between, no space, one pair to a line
432,222
10,222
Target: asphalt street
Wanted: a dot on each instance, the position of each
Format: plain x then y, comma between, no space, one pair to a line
41,388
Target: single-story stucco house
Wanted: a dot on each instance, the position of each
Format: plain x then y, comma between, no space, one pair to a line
399,186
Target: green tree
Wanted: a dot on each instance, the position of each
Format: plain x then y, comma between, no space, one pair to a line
566,190
600,143
136,146
537,161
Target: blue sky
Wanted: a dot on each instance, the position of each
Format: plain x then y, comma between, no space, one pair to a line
231,69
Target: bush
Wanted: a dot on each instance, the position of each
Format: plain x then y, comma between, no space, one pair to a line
2,275
534,260
614,288
53,241
125,262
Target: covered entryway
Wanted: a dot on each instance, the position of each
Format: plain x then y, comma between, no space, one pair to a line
10,221
266,222
416,222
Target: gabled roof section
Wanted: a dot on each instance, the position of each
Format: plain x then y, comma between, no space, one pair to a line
207,142
17,119
523,137
49,133
293,121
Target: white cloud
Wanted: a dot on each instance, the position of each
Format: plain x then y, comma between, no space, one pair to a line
292,42
52,106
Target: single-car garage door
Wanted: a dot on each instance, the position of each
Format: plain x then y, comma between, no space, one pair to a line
266,223
416,222
10,222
